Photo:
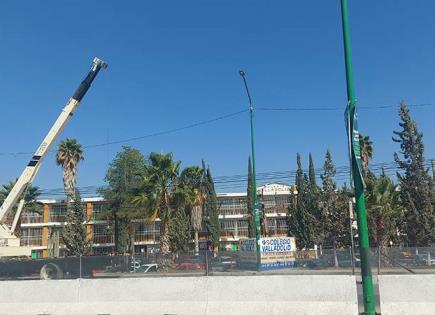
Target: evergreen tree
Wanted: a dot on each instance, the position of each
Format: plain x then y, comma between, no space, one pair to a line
179,231
124,177
211,210
300,220
74,232
415,183
313,203
334,207
250,201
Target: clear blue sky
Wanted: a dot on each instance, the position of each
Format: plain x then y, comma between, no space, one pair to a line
172,63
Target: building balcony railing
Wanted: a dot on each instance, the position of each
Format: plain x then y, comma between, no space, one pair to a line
152,237
32,219
57,218
103,239
31,241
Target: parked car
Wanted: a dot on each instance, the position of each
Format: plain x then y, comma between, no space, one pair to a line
190,263
224,263
148,268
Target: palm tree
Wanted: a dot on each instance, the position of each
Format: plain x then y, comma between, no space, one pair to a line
192,180
366,147
160,177
384,211
31,205
68,155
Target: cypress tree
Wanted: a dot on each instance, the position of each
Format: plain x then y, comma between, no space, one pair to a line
313,203
211,210
180,231
300,220
334,206
74,232
415,183
250,201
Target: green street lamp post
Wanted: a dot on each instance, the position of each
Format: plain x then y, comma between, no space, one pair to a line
254,178
355,153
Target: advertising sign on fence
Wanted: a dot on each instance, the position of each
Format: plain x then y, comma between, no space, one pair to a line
276,252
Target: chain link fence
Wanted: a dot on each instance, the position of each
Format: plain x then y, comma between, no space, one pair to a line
388,260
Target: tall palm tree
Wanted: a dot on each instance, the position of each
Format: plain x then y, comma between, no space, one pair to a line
160,177
366,147
192,179
68,155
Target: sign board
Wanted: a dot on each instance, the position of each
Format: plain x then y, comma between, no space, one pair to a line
276,252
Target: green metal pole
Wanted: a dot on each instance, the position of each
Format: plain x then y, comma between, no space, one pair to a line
366,273
254,178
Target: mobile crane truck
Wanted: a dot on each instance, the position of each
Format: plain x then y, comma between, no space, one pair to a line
9,242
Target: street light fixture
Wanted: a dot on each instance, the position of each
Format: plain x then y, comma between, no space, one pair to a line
254,179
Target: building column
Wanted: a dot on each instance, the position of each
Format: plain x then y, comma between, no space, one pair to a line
89,227
45,219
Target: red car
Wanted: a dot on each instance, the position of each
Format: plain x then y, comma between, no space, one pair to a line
190,264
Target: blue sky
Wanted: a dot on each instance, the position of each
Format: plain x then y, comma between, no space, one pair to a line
173,63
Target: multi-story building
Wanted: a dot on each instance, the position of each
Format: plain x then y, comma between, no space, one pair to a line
36,229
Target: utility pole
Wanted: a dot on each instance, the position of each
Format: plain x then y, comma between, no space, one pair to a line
254,178
363,237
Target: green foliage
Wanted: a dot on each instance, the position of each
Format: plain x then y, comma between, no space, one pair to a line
74,232
334,207
154,195
366,147
68,155
31,205
416,186
313,200
179,232
250,201
300,221
211,210
384,211
124,177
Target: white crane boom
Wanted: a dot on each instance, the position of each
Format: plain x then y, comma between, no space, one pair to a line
7,237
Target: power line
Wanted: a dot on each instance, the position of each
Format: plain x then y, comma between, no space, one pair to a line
155,134
240,180
314,109
209,121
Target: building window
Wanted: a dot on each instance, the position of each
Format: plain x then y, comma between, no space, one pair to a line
147,232
31,217
232,205
58,213
97,209
31,237
52,230
102,234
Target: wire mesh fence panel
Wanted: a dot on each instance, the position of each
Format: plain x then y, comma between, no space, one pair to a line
387,260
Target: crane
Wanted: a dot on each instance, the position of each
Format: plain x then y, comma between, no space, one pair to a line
9,243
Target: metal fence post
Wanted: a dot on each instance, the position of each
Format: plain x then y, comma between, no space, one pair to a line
379,260
80,267
352,260
429,262
206,262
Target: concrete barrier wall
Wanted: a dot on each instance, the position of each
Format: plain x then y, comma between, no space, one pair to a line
220,295
407,294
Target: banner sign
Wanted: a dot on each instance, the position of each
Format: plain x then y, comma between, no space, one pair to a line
276,252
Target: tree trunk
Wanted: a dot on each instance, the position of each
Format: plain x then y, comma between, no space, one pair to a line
164,238
335,257
196,242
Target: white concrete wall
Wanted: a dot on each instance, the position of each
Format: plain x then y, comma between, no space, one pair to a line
278,294
407,294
